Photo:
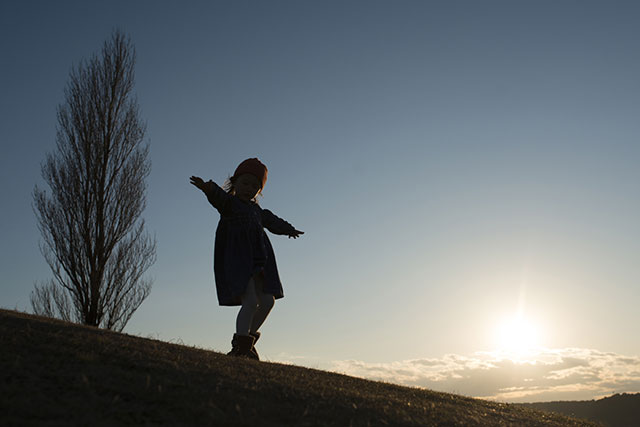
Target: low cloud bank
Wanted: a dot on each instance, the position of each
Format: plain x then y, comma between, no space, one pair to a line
546,375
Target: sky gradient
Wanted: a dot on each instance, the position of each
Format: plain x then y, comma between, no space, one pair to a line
453,165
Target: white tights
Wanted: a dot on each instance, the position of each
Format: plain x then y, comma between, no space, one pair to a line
256,306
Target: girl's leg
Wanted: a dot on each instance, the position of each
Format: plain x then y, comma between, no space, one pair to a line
265,304
248,310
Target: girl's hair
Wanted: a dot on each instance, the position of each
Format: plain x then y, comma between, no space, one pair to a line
230,188
228,185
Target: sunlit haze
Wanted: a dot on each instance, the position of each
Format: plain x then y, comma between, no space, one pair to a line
466,175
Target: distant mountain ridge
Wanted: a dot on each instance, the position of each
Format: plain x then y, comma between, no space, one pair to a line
619,410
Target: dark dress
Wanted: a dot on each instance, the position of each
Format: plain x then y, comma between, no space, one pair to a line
242,247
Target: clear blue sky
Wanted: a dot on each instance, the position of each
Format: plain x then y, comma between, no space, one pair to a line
455,165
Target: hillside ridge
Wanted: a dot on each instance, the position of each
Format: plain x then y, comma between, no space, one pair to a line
618,410
59,373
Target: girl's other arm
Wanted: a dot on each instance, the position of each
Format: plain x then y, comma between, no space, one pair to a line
216,195
278,225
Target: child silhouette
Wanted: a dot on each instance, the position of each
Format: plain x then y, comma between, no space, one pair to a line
244,263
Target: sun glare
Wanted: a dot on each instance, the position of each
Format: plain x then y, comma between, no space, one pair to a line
517,336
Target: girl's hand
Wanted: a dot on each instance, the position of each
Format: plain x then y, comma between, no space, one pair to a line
296,234
197,181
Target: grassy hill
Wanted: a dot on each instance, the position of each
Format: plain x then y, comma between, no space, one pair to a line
57,373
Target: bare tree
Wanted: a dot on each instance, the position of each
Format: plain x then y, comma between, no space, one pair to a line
93,237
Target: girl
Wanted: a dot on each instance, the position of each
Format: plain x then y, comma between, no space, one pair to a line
244,262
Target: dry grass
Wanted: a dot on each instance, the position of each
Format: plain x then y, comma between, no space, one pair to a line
56,373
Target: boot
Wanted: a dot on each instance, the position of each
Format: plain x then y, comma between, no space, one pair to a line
241,346
254,352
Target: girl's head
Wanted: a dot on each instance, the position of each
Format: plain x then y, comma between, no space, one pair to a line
248,180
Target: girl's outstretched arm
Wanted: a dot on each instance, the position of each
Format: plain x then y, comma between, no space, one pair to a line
277,225
216,195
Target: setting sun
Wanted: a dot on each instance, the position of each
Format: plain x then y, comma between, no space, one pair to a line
517,336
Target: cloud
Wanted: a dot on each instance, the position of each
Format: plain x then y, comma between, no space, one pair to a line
546,375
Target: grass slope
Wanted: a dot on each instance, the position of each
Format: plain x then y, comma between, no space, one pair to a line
57,373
